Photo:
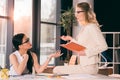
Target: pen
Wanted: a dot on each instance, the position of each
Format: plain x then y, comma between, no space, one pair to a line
15,75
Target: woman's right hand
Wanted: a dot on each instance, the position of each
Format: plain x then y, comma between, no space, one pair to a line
81,53
66,38
25,56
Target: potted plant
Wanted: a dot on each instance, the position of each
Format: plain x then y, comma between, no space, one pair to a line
66,21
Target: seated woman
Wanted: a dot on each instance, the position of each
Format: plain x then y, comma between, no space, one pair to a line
22,61
89,36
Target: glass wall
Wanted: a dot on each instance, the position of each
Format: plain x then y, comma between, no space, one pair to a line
47,30
3,31
48,40
3,6
48,10
22,23
23,17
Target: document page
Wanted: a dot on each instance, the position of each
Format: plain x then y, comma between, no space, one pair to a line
72,46
80,76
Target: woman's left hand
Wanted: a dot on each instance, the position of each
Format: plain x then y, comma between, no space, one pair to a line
56,54
81,53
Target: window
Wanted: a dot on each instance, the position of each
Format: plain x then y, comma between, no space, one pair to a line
3,31
48,10
48,41
3,6
48,29
23,17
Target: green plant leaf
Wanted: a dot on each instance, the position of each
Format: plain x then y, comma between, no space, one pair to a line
67,19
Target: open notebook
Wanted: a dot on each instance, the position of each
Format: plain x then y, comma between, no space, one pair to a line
72,46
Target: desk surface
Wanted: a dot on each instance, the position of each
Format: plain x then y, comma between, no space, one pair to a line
70,77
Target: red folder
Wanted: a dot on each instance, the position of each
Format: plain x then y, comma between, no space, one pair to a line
72,46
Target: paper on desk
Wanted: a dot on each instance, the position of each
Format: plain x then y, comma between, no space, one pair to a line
114,75
44,74
79,76
51,75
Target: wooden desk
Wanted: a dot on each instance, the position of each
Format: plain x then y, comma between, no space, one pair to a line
49,69
106,71
70,77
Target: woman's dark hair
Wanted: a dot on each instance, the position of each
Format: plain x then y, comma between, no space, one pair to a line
30,61
17,40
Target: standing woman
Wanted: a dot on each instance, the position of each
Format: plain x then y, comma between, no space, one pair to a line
89,36
23,60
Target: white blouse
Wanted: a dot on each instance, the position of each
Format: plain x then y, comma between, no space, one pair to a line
19,58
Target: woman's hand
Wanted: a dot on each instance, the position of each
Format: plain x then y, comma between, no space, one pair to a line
56,54
66,38
25,57
81,53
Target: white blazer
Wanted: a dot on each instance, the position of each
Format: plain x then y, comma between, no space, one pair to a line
92,38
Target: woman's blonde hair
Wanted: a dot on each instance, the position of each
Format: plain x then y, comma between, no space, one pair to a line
89,13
